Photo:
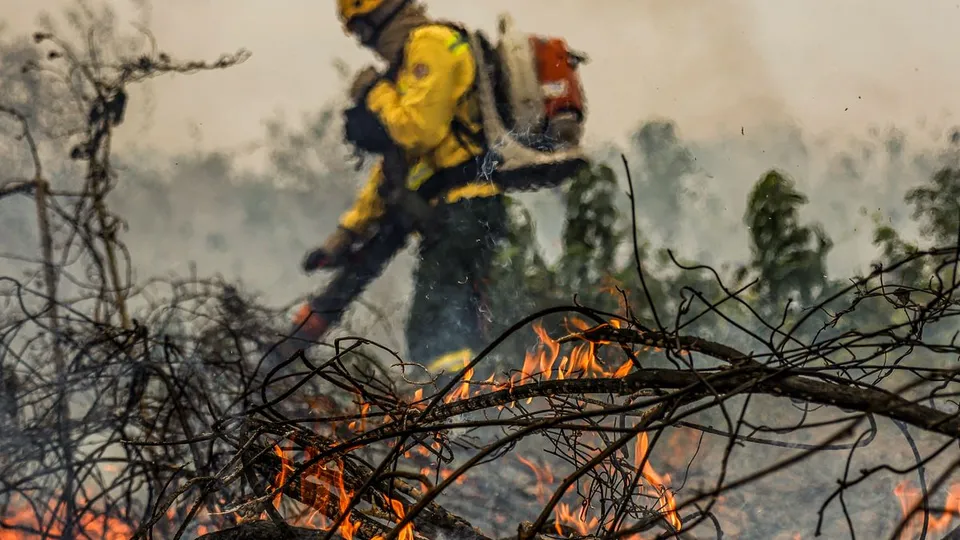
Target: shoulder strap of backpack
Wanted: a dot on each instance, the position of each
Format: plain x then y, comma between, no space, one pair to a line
460,129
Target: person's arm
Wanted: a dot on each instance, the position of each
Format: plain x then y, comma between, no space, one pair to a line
418,111
367,207
352,225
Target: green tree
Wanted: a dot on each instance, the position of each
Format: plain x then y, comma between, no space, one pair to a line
894,248
936,205
521,275
664,162
787,256
592,235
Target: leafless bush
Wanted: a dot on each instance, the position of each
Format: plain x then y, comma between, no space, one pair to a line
74,361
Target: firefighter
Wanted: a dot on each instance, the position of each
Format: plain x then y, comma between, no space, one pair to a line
425,104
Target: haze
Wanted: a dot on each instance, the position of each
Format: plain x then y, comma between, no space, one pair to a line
714,66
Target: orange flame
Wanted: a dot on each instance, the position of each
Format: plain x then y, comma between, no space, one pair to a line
347,528
578,522
92,525
665,500
546,363
364,408
406,533
463,392
317,499
444,474
582,361
909,496
281,477
544,477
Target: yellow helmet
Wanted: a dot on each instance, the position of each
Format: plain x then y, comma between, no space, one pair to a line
366,18
348,10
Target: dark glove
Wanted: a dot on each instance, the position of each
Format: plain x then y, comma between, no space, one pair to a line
364,130
332,253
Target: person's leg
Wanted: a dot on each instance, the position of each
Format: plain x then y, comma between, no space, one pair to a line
448,315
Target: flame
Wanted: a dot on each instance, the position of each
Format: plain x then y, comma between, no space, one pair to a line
444,474
464,391
315,498
406,533
545,363
347,528
92,525
578,522
281,477
665,500
579,324
582,361
909,496
584,526
544,477
364,408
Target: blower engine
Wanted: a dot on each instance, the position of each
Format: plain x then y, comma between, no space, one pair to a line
533,106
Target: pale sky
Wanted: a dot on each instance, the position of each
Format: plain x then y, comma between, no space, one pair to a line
709,64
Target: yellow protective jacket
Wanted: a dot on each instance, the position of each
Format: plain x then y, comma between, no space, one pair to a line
433,88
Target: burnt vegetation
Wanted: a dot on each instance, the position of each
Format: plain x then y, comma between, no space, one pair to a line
618,400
